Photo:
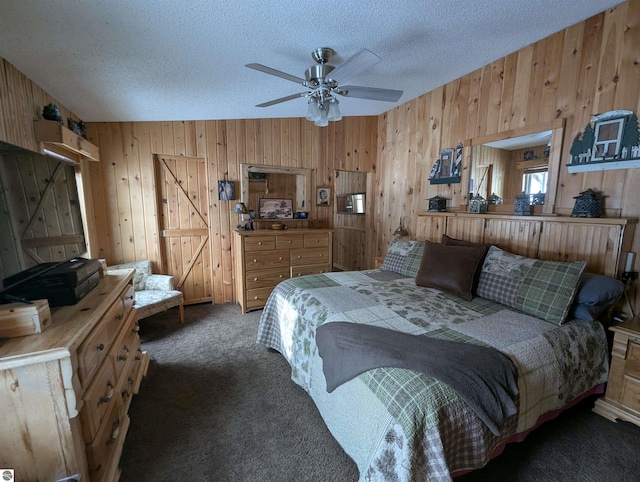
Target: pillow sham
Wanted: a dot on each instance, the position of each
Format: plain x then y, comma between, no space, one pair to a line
595,294
450,268
403,257
544,289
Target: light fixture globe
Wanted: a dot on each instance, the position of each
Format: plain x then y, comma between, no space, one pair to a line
334,113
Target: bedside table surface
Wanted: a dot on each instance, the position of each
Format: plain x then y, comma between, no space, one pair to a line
629,327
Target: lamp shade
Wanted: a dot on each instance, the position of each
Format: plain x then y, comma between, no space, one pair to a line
240,209
313,113
334,113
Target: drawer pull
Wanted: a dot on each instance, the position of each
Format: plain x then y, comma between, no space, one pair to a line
281,276
289,241
299,256
114,435
100,347
135,329
321,255
125,394
122,357
255,297
119,317
255,279
259,243
280,258
109,394
255,260
130,297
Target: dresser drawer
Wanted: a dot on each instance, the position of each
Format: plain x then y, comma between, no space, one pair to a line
97,400
259,243
312,269
308,256
96,346
291,241
266,278
262,260
631,393
102,453
128,300
256,298
316,240
125,346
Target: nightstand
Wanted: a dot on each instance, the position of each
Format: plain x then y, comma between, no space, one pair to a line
622,399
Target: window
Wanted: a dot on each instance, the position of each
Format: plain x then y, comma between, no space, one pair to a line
534,183
608,136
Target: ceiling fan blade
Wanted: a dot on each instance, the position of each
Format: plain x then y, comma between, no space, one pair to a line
282,99
277,73
354,65
372,93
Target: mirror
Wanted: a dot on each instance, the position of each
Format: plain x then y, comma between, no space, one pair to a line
508,164
350,203
260,182
40,210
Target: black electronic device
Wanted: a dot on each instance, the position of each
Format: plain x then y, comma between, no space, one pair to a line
63,283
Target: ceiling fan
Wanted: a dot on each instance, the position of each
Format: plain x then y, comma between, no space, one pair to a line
323,83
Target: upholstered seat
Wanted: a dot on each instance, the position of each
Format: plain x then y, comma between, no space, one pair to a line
154,292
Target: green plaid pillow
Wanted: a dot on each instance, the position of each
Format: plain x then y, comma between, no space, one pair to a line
403,257
544,289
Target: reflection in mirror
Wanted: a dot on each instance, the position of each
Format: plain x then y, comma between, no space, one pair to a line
350,203
505,168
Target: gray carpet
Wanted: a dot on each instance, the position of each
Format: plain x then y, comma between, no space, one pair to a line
215,406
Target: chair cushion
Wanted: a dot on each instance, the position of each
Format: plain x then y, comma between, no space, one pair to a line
143,270
150,302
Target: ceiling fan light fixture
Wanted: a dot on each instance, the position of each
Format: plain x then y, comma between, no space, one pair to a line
334,113
313,112
323,121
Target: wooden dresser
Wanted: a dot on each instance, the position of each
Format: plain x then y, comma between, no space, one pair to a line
65,392
265,258
622,399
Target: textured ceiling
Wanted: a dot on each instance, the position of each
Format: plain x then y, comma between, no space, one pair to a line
119,60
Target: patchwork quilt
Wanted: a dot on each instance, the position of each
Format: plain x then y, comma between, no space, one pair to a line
401,425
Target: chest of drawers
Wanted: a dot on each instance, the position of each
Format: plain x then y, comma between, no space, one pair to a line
66,392
622,399
263,259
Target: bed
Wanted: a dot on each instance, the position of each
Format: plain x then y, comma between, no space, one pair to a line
405,424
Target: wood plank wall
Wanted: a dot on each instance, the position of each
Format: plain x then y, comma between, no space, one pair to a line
591,67
123,184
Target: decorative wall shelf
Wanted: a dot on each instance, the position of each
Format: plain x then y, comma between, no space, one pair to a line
57,138
603,165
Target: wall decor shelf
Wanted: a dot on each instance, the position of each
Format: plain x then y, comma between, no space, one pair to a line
55,137
603,166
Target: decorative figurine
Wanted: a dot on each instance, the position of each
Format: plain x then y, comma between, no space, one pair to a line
52,112
522,205
588,205
437,204
477,205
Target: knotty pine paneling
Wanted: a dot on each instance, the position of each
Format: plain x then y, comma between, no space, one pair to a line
589,68
124,183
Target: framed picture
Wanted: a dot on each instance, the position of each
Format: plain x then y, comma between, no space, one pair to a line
445,169
323,196
269,208
226,190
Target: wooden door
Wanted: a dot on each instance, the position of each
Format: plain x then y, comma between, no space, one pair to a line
184,224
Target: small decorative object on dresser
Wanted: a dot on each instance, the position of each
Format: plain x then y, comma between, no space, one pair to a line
494,199
622,399
588,205
522,205
437,204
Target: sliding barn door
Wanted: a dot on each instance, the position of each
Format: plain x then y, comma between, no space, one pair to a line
184,224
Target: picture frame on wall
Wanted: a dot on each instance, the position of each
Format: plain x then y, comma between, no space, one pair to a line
446,168
226,190
323,196
272,208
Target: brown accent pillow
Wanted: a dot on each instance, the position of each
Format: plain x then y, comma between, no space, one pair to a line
449,241
450,268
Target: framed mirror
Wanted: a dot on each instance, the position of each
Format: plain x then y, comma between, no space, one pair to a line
525,160
262,182
351,203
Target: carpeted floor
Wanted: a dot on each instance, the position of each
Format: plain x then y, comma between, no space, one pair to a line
215,406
